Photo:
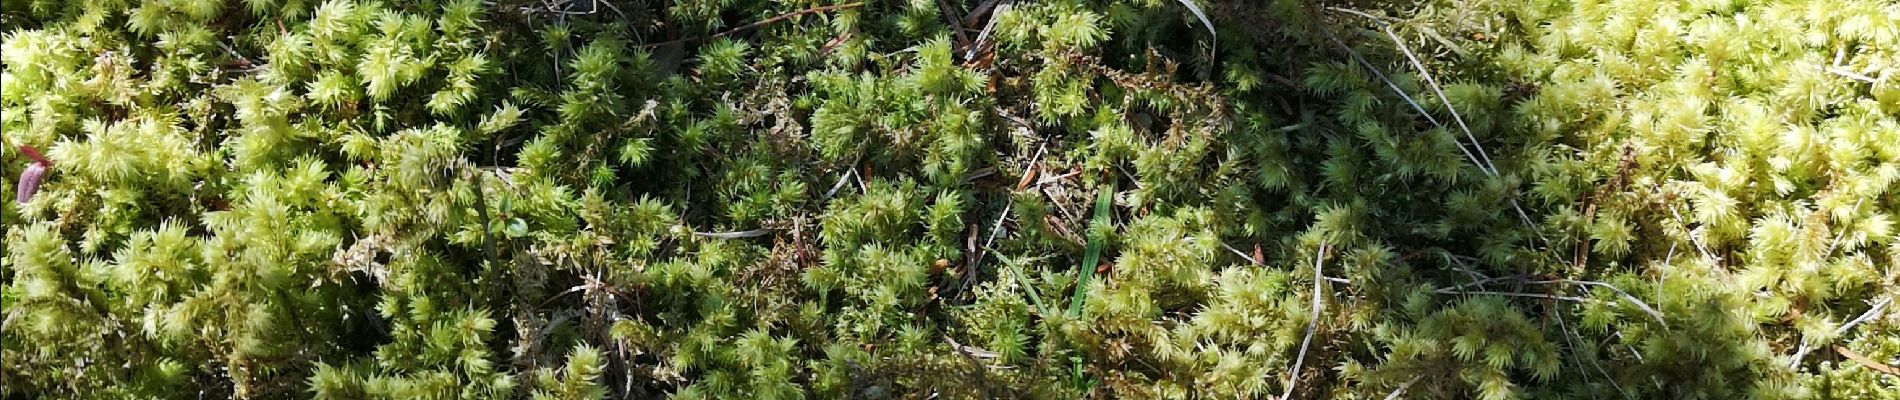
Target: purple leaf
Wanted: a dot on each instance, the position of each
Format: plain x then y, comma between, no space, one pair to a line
30,178
30,181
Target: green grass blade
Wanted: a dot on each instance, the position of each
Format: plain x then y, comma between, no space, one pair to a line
1016,271
1091,257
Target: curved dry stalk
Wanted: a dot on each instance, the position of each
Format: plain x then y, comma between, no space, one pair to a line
733,235
1491,167
1401,390
1802,352
1626,296
1293,377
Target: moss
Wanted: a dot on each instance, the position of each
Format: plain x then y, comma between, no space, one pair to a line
818,199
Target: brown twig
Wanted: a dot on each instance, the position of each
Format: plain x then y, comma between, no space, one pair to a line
756,25
950,18
970,20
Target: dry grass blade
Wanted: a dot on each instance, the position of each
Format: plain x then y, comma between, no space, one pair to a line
1243,256
733,235
1293,377
984,36
1489,167
1626,296
756,25
1843,72
1395,88
1203,16
1401,390
1570,336
1481,159
1871,313
1515,294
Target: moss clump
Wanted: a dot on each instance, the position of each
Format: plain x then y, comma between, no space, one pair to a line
581,199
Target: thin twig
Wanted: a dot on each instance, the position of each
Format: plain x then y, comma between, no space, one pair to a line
1388,83
9,320
998,227
977,259
1029,171
1519,278
1402,95
1488,166
971,351
978,174
950,18
1626,296
1799,353
610,6
1477,278
849,171
1482,159
1053,179
982,372
1293,376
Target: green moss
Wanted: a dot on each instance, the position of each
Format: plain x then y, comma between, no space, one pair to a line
817,199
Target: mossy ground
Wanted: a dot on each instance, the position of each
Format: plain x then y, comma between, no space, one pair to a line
568,199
